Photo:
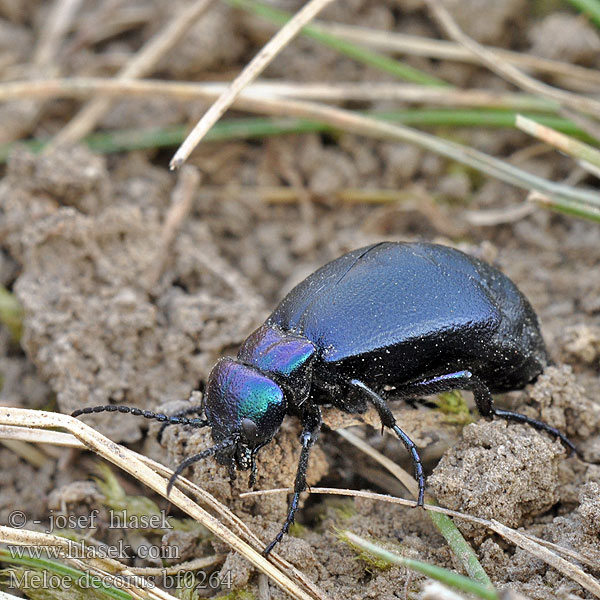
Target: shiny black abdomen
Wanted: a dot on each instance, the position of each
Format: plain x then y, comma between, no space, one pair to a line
392,313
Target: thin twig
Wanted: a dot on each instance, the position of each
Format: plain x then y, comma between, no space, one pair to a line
584,104
53,31
86,87
405,478
560,564
577,556
150,473
251,71
140,64
562,142
127,461
182,200
392,41
362,125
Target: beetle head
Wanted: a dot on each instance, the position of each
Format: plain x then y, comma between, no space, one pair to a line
244,407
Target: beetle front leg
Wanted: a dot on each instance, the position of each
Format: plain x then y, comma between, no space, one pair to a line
311,424
388,420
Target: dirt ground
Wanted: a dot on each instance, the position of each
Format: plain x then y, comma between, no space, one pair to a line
109,319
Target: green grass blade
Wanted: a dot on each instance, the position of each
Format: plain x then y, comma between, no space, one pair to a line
43,564
11,313
450,578
590,8
461,548
260,127
369,57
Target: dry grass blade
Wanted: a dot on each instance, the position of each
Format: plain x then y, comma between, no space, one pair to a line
141,64
86,87
560,564
493,525
457,543
392,41
362,125
564,143
108,569
181,204
130,463
9,432
584,104
53,31
405,478
251,71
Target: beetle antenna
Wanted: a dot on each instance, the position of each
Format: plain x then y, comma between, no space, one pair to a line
138,412
190,460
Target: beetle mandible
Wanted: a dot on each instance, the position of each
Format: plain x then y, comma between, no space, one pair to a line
422,318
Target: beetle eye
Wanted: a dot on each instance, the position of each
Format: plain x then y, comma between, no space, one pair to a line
250,431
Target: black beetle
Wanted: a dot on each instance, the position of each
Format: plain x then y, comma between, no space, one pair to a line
423,318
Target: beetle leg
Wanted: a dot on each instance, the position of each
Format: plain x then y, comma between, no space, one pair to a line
388,420
311,424
465,380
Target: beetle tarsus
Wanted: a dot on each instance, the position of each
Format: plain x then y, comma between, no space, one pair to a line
539,425
311,422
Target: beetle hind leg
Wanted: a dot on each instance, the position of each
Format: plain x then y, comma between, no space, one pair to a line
388,420
465,380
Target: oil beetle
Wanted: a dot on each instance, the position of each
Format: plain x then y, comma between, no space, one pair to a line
423,318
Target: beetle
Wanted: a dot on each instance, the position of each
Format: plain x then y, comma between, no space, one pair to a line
421,318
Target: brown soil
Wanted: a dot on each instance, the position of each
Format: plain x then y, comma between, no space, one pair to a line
78,235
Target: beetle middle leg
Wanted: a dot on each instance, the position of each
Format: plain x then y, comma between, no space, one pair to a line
388,420
465,380
311,424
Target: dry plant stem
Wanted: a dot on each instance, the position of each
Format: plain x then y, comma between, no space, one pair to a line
251,71
26,451
340,119
64,439
361,125
391,41
131,464
459,546
7,596
105,567
85,87
182,200
53,31
190,565
584,104
433,508
407,480
141,64
562,142
560,564
500,216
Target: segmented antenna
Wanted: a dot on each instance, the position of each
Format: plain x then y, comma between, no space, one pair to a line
138,412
